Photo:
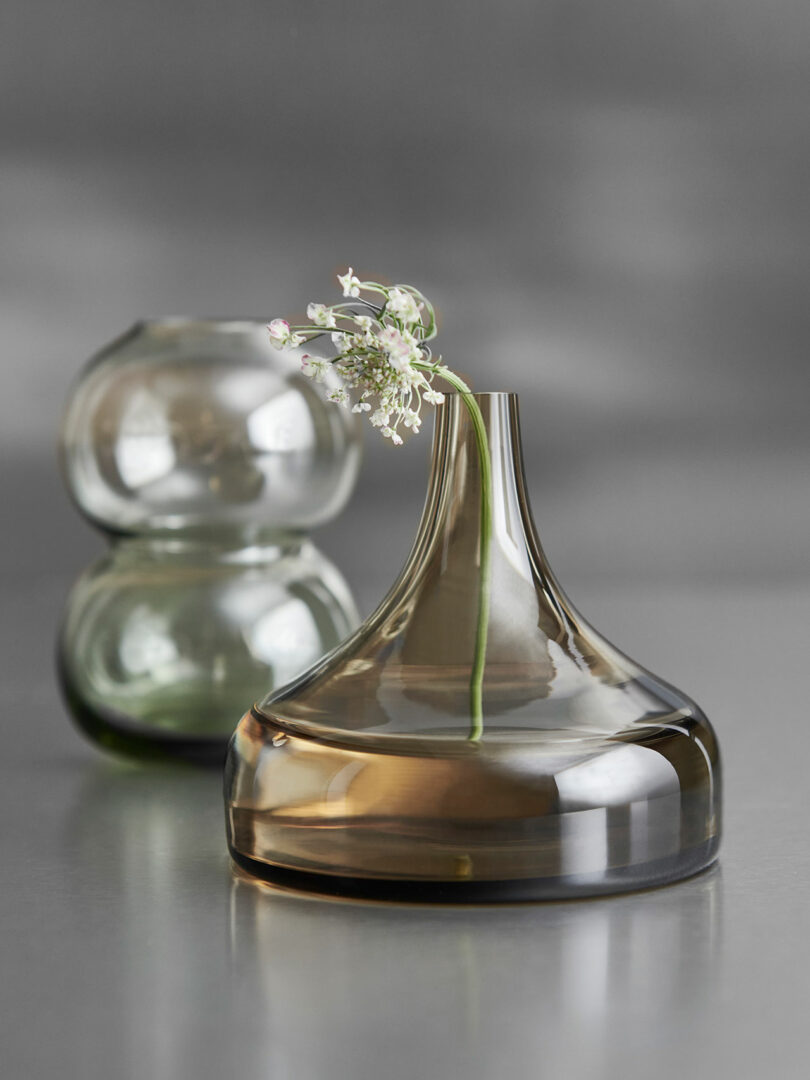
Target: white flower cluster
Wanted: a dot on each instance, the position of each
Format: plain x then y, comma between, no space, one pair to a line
382,351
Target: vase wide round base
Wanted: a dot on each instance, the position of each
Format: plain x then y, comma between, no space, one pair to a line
514,816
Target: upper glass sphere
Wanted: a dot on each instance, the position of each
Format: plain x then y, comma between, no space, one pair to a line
202,426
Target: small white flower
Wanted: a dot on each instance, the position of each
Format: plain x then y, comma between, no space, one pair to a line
402,306
379,418
412,376
434,397
387,432
363,321
399,346
339,396
395,439
361,406
321,315
412,419
279,330
349,283
296,340
314,367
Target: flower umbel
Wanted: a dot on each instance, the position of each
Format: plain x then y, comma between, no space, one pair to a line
381,339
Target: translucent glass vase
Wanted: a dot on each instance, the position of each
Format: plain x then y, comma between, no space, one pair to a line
205,457
366,776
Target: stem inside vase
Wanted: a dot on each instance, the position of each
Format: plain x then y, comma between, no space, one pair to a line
482,445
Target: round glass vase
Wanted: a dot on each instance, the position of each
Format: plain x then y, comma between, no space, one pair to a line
205,457
370,775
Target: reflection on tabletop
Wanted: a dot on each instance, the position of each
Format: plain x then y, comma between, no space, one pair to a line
575,985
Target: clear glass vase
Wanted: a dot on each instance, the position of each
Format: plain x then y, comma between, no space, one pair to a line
205,457
368,775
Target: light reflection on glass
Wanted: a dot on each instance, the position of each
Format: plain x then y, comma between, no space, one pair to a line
282,424
144,451
282,636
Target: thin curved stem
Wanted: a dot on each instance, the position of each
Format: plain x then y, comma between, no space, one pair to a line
482,444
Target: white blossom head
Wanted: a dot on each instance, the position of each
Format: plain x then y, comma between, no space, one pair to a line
279,330
320,315
349,283
403,305
381,335
314,367
282,336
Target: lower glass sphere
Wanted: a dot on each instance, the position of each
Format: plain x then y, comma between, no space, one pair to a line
162,644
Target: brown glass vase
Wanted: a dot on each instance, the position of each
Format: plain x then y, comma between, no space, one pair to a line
370,776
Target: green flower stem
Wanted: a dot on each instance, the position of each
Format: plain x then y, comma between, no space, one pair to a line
479,659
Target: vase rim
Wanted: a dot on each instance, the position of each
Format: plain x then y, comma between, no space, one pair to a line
481,395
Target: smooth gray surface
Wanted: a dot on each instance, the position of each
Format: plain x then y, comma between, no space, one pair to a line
130,949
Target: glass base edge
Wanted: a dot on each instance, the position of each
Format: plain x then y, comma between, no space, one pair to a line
631,878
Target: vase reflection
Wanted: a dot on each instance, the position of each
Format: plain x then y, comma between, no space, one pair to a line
576,988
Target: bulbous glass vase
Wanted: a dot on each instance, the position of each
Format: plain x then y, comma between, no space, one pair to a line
205,457
367,776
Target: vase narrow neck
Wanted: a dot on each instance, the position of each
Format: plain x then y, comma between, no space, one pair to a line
453,512
475,596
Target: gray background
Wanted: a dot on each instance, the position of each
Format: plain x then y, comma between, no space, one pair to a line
609,205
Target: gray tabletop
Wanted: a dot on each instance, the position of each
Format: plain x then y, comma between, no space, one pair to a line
131,948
